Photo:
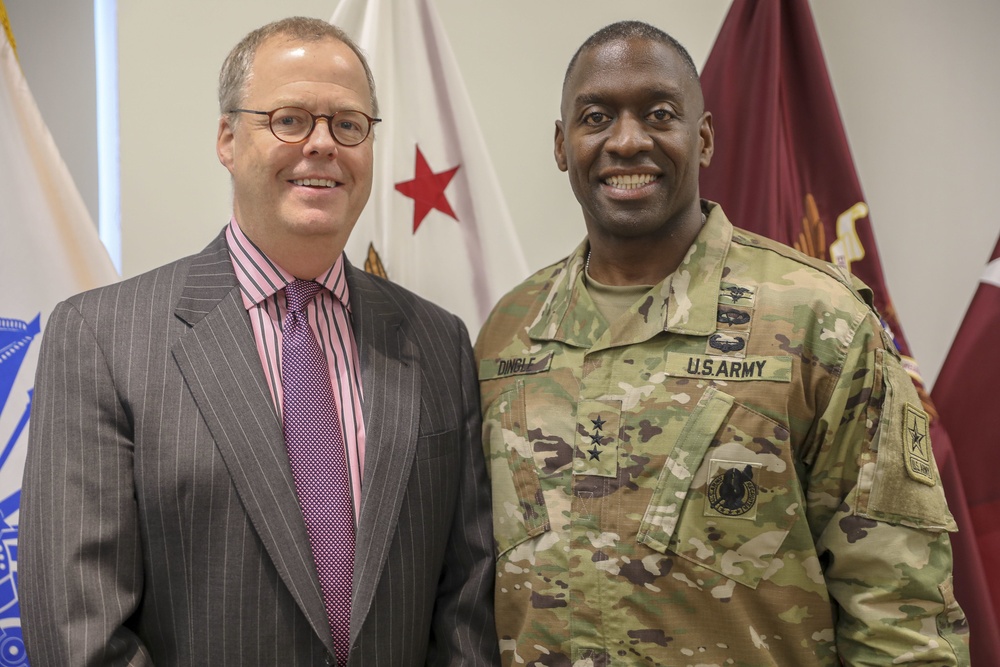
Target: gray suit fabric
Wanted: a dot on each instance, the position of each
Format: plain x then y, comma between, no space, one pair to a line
159,522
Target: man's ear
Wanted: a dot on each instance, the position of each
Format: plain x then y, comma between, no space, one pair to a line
707,133
224,143
560,146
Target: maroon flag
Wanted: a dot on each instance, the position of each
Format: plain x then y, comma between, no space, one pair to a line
968,401
783,168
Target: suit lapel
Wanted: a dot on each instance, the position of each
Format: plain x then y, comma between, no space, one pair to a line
219,361
390,372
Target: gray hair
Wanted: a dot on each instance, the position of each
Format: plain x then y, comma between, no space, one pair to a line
237,68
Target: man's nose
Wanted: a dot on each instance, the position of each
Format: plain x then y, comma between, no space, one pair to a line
321,141
629,135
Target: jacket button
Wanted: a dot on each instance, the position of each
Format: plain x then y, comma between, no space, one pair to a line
331,661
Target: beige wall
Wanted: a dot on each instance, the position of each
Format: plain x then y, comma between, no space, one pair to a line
55,46
916,80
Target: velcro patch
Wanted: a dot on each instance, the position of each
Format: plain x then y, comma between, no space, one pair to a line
773,369
732,318
916,452
729,344
737,295
733,488
526,365
597,433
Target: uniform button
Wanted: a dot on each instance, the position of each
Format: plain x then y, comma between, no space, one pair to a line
331,661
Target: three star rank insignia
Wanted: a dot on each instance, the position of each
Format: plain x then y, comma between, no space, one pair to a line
595,438
597,446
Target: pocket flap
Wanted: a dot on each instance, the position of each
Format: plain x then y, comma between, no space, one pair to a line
660,521
519,510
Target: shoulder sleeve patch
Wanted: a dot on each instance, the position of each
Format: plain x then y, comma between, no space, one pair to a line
901,480
916,445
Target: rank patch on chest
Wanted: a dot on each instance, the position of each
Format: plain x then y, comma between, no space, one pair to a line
733,488
916,449
597,433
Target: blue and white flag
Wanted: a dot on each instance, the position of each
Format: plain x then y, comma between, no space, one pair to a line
49,250
437,222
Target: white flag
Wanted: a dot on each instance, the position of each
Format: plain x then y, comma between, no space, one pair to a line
49,250
437,220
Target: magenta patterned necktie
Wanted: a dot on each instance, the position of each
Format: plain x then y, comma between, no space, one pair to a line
318,459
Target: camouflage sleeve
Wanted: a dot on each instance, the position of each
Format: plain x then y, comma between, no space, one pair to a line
880,519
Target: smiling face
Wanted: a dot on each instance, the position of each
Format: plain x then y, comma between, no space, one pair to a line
633,137
299,202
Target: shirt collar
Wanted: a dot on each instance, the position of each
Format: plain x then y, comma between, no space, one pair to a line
685,302
260,278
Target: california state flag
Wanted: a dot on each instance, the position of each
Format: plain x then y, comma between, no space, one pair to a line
437,222
49,250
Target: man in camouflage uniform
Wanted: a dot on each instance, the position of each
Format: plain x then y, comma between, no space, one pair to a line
703,448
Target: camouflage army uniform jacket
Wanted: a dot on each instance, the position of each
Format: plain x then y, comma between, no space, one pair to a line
736,472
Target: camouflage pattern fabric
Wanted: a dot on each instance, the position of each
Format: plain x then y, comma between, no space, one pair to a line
736,472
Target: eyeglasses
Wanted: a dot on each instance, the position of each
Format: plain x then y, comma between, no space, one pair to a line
293,125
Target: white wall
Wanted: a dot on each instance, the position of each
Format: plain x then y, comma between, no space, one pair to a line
916,81
918,86
55,46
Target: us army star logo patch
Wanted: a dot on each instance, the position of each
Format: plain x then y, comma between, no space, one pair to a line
917,445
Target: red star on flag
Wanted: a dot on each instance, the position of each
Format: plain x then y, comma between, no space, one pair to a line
427,190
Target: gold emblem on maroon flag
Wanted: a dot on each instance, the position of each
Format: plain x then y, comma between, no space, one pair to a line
848,248
426,189
842,252
812,239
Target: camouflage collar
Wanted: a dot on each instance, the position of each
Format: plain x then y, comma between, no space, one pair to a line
694,305
685,302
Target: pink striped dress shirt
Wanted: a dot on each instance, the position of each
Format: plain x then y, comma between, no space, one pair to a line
262,283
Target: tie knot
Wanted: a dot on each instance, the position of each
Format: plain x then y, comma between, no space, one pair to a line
298,293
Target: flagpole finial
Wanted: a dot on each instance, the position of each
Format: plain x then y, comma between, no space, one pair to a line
5,21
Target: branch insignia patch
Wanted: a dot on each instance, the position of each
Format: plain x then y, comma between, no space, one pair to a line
733,489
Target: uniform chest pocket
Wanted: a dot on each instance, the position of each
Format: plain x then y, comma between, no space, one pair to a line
728,496
519,510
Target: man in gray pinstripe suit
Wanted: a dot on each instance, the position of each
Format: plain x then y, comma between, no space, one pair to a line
160,523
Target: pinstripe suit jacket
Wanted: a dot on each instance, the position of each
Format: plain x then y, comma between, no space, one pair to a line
159,521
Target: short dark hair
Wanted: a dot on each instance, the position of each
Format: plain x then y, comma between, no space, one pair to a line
626,30
237,68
